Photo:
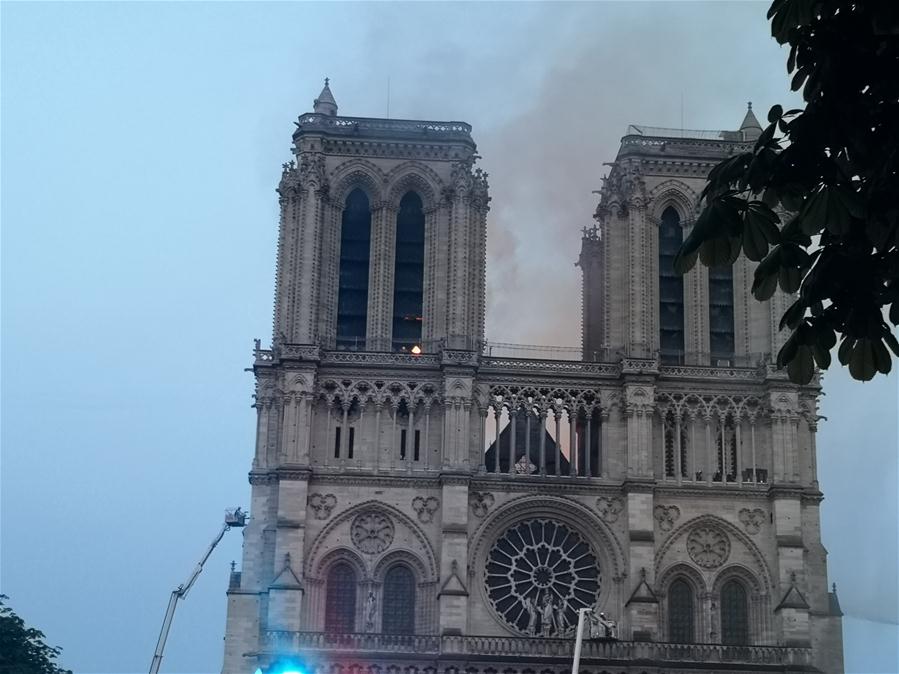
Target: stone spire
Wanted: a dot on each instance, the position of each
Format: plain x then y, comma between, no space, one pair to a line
750,127
325,103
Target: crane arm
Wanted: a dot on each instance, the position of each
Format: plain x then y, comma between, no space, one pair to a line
235,519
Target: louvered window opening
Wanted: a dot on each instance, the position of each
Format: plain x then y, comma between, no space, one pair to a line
408,276
399,601
721,313
671,290
352,295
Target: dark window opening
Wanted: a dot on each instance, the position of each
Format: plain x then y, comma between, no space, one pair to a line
726,458
337,442
398,616
734,614
403,444
408,273
671,290
721,313
350,439
589,465
340,599
417,447
352,296
680,613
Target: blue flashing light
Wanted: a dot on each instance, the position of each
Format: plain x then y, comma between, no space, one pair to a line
286,667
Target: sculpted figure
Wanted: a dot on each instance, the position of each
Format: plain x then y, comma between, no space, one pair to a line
370,612
547,617
531,608
609,627
561,617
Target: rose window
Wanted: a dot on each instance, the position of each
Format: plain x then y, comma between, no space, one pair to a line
708,547
539,573
372,532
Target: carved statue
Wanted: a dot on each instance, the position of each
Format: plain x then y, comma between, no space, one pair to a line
561,617
370,612
531,608
547,617
608,627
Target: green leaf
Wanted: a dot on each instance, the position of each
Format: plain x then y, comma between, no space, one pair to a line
684,263
719,252
844,353
776,111
790,279
788,351
892,342
763,288
801,368
862,364
793,316
882,360
822,356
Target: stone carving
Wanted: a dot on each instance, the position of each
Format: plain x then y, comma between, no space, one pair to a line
707,546
480,502
752,519
525,466
666,516
425,507
539,573
370,612
602,627
372,532
609,507
322,505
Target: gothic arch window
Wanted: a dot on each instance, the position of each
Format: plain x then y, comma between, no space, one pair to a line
398,606
671,289
734,614
680,613
355,249
408,276
340,599
721,313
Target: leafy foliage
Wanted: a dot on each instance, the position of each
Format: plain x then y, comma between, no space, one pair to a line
22,649
816,201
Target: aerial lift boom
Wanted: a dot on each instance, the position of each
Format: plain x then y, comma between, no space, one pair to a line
233,518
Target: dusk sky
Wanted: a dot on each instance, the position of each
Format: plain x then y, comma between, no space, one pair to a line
141,145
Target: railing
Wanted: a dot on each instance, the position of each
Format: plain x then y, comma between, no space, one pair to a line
537,647
401,127
559,360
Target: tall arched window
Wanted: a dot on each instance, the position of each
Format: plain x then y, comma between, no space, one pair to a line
408,276
680,613
734,614
671,289
352,295
340,599
399,601
721,313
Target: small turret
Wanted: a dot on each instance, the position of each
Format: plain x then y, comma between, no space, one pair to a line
750,128
325,103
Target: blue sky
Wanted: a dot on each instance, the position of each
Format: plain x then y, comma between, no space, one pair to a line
141,144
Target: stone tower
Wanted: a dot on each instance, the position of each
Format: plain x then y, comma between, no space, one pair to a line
420,506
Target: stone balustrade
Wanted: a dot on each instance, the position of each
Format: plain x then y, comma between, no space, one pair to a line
452,646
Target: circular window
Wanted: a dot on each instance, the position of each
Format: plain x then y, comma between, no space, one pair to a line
539,573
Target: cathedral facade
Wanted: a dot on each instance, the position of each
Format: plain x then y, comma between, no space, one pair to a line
421,505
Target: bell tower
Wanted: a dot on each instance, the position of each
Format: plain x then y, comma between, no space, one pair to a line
382,235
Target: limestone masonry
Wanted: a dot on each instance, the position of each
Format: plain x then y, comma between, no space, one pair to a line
422,504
